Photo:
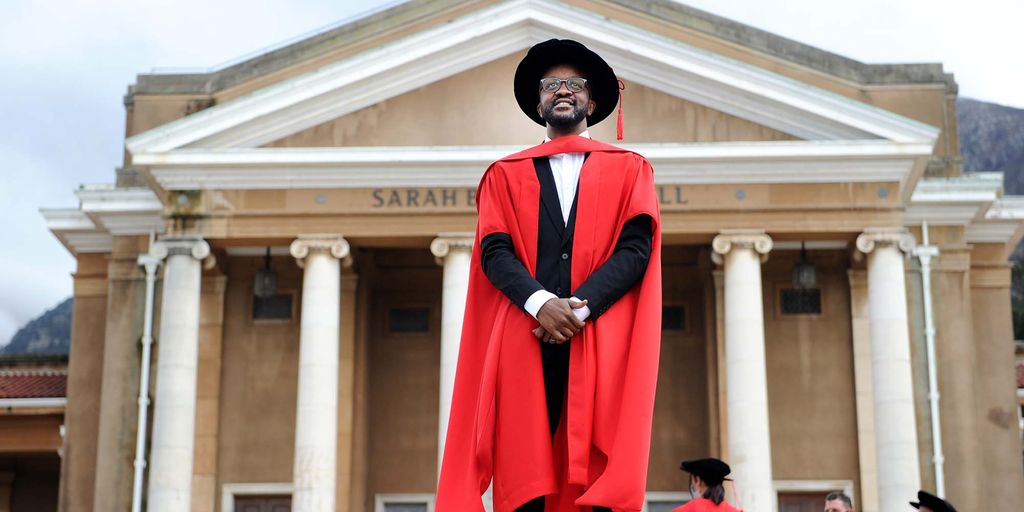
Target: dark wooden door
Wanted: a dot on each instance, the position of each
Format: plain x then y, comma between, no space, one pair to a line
802,501
263,504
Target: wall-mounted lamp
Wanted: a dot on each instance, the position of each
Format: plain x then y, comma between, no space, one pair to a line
265,283
805,276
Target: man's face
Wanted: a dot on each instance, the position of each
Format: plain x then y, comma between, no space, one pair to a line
836,506
925,509
564,108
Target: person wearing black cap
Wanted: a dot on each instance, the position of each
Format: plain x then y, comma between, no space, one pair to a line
566,259
928,502
706,477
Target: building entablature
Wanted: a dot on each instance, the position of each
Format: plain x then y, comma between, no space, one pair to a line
781,162
690,209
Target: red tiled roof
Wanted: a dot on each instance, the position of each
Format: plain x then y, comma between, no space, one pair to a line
33,383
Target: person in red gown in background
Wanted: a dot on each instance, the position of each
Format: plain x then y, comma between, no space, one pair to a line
706,477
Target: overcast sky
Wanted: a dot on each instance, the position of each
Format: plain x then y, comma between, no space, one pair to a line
65,66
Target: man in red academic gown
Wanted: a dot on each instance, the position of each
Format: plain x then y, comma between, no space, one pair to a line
555,385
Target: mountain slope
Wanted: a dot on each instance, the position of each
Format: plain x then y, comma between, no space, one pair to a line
992,139
50,333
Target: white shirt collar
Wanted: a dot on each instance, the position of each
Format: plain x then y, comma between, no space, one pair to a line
586,134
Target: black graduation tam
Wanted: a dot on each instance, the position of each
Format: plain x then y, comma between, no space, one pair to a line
604,86
711,471
935,503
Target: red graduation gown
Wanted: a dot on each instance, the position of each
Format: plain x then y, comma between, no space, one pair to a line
706,505
498,426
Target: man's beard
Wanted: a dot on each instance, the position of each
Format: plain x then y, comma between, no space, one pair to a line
560,120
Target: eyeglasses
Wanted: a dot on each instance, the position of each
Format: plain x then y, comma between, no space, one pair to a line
574,84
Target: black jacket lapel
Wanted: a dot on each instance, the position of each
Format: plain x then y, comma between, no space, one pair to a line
570,226
549,194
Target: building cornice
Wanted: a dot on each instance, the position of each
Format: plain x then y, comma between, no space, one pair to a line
974,201
954,201
105,211
376,167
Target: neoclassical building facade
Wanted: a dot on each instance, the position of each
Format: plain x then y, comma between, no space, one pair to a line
281,263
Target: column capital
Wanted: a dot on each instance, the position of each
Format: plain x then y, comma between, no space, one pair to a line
179,245
729,239
871,238
330,243
445,243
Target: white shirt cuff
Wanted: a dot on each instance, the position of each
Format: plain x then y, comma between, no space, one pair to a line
539,297
581,313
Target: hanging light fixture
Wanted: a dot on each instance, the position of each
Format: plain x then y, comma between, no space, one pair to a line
265,283
805,276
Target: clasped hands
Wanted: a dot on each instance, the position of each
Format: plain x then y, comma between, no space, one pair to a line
557,320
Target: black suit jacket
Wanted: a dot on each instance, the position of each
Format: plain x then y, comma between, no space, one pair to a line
554,255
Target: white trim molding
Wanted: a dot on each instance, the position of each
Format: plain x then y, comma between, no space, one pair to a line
76,231
1007,208
462,166
954,201
1002,222
230,491
979,187
122,211
991,232
33,403
380,500
105,211
974,201
425,57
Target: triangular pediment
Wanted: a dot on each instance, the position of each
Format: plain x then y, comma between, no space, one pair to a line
396,71
476,108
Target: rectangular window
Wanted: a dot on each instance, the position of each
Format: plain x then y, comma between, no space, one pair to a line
275,307
800,302
251,497
808,495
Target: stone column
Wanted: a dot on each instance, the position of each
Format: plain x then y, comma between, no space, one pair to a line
896,455
749,443
453,251
316,419
174,410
